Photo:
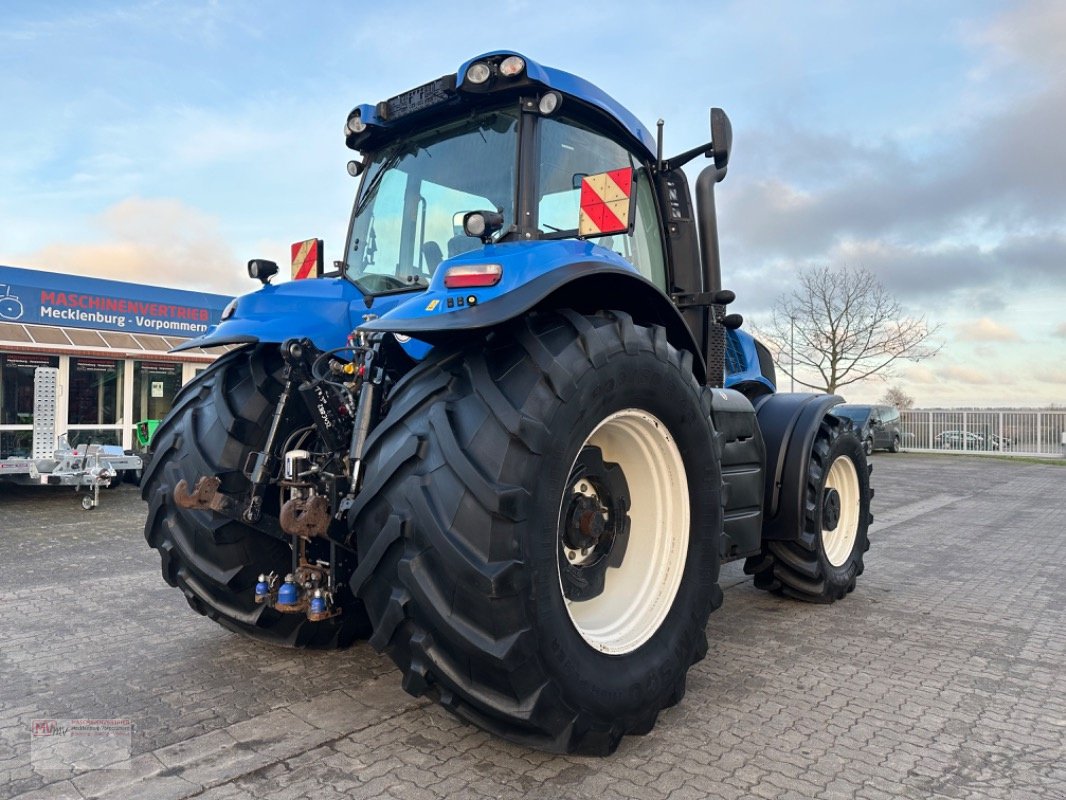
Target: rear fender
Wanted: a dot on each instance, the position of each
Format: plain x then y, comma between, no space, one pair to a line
789,424
540,275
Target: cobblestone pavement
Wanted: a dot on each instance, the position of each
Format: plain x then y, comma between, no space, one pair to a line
943,675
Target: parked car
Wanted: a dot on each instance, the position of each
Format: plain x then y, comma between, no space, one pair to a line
877,426
968,440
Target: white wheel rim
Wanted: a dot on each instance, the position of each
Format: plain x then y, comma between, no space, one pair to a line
838,543
638,594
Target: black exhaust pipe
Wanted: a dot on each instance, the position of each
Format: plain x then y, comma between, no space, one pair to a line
710,254
707,224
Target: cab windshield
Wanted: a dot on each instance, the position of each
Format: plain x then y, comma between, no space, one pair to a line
408,216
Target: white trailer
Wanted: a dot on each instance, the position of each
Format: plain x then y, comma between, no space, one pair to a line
54,462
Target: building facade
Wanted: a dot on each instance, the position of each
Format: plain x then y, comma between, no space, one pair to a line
110,341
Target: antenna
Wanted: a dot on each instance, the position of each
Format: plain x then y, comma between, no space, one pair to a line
659,145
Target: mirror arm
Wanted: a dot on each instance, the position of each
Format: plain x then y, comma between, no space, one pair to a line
670,164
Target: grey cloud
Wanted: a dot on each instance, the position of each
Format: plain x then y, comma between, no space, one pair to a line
1004,173
963,275
813,197
918,270
1029,32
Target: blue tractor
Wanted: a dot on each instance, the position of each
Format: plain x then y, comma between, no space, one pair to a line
512,438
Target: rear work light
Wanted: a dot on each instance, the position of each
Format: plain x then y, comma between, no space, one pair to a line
467,276
512,66
478,73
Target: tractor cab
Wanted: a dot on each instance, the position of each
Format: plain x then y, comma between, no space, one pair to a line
495,155
510,174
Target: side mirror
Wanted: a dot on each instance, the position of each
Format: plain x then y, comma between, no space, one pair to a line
721,140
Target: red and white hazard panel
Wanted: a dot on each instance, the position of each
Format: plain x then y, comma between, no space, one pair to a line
605,200
307,259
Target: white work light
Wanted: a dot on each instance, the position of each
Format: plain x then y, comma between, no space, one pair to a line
355,122
549,102
512,66
478,73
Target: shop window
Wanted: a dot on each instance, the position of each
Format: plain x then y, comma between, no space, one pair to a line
16,387
155,385
95,391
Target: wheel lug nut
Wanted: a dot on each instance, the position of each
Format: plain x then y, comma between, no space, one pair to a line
583,487
571,554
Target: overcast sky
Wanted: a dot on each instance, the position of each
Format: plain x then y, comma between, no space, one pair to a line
169,142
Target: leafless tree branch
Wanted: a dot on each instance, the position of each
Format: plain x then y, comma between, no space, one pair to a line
845,327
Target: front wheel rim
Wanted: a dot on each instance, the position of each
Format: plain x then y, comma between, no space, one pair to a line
841,527
638,593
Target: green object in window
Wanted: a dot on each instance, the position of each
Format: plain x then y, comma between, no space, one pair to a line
146,430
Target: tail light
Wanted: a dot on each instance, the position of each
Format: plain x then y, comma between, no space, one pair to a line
466,276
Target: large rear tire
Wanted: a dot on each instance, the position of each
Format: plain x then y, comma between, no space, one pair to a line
492,464
217,419
823,563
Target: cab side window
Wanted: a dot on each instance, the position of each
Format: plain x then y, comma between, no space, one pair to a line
568,152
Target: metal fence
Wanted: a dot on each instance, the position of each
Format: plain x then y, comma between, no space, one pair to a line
1022,433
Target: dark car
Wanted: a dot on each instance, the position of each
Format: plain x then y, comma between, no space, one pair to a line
877,426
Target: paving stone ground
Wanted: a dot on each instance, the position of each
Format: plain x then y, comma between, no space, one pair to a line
942,676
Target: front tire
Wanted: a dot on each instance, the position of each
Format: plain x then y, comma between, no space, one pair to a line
485,484
218,419
825,560
895,445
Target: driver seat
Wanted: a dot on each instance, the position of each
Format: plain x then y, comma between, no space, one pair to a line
432,253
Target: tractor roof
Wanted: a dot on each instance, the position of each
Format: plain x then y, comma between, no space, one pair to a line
395,112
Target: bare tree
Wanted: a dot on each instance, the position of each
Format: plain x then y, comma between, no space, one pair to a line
840,326
895,396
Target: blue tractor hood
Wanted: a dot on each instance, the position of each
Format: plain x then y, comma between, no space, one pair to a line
324,310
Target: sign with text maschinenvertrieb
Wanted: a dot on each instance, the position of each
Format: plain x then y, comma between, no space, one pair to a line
51,298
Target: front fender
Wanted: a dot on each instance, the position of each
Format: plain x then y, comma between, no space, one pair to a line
789,424
325,310
320,309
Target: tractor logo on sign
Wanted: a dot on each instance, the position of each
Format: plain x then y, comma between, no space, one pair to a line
10,305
